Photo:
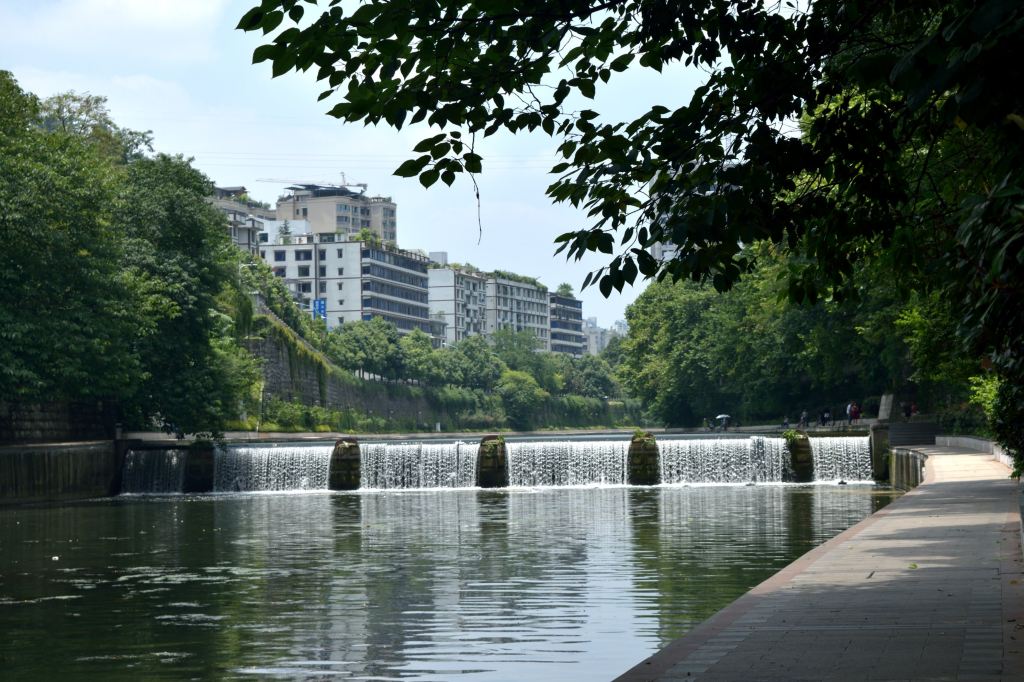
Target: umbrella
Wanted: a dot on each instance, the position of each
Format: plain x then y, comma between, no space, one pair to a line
723,416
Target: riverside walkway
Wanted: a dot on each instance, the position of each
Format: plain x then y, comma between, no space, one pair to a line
929,588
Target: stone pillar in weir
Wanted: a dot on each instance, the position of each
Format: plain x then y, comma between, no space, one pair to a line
879,440
199,469
642,461
345,465
492,463
801,459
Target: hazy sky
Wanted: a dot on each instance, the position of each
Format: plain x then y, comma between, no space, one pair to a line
178,68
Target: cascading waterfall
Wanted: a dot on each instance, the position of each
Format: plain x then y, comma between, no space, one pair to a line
304,467
385,466
153,471
567,463
723,460
841,459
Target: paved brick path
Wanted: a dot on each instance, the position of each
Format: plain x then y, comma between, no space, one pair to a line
929,588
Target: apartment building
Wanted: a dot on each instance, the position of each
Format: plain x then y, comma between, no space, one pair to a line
246,218
597,337
351,280
566,318
337,209
518,303
459,298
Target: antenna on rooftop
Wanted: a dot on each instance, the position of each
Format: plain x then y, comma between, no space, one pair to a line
351,184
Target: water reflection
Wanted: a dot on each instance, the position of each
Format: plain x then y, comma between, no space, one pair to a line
512,584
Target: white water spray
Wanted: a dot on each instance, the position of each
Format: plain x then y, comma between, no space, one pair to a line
567,463
385,466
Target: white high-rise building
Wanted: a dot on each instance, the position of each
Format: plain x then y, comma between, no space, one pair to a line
517,303
354,280
458,297
597,337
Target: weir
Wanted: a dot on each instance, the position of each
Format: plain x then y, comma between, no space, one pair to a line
757,459
567,463
841,459
385,466
154,471
493,463
266,468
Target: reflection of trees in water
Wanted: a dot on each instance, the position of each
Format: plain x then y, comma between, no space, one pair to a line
277,551
699,548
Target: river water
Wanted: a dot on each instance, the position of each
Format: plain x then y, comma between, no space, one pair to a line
545,584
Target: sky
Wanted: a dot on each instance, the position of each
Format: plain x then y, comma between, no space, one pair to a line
180,69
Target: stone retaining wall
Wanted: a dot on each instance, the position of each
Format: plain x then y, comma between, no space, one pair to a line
68,471
290,375
55,422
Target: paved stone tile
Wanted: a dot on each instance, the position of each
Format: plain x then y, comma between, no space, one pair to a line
929,588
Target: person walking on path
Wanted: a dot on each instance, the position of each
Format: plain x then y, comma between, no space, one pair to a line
803,419
849,413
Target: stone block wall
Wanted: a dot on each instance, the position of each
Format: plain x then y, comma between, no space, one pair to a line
44,473
294,374
55,422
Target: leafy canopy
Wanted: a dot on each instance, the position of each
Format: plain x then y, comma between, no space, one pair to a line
722,170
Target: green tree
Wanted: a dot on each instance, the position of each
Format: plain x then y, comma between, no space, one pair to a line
522,397
178,256
589,376
115,265
422,362
476,363
67,312
564,289
368,347
520,351
87,116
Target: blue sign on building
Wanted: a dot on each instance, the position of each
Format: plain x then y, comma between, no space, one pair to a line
320,308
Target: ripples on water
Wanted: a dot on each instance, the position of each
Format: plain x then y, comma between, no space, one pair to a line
471,584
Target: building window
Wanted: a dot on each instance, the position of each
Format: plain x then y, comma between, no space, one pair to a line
323,270
341,286
340,252
341,301
323,287
306,254
263,255
304,287
327,238
280,256
280,272
322,255
264,237
341,271
303,271
305,212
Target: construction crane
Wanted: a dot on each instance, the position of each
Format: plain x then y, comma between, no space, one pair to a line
343,183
